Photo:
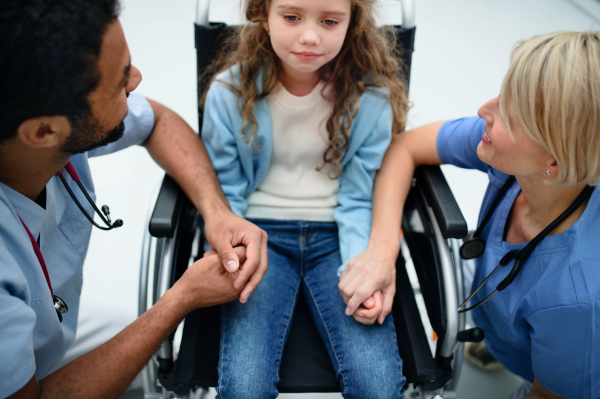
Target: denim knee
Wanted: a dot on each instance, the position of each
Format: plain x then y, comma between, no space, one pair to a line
248,385
386,386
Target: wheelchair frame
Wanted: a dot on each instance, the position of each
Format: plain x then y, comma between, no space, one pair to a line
431,220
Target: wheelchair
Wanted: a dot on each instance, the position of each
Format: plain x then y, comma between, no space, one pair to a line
186,363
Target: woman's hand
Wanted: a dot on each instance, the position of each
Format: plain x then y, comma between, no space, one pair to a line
367,274
375,268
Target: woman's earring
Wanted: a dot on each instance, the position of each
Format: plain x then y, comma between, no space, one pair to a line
548,172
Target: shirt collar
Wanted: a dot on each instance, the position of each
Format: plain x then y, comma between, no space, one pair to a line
31,213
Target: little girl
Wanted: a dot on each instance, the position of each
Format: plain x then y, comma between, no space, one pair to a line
296,122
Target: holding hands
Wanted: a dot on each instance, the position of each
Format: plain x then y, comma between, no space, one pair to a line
368,285
224,232
207,283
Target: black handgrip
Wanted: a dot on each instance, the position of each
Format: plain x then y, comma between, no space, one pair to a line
471,335
168,205
440,198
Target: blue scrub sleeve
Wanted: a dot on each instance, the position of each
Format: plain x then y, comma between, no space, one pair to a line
457,143
139,123
574,370
16,327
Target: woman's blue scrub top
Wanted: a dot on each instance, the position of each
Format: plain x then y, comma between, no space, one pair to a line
32,341
546,324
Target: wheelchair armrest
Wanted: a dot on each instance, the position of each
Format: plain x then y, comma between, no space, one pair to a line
439,197
431,216
168,205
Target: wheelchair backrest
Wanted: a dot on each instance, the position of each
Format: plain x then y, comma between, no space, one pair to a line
216,20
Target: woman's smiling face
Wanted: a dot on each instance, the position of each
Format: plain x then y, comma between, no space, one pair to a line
518,155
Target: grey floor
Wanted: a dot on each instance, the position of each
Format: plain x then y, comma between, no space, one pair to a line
461,54
474,384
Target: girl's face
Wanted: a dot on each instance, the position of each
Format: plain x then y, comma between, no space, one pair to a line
522,156
307,34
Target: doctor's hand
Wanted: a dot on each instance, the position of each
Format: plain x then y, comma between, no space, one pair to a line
207,283
225,231
368,272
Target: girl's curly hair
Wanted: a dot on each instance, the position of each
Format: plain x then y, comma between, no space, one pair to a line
368,58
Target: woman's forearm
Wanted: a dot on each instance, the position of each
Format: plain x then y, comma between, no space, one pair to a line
391,188
406,152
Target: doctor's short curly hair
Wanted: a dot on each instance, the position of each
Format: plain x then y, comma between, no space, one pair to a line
553,83
49,51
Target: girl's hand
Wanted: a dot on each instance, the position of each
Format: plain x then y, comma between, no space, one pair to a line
370,309
370,271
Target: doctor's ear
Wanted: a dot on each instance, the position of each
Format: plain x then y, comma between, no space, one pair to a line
43,131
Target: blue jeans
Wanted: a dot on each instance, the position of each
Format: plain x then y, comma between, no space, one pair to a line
303,255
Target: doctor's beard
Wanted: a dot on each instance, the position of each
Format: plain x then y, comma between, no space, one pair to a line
87,134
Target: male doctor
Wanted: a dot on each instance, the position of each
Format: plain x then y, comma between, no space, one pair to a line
66,83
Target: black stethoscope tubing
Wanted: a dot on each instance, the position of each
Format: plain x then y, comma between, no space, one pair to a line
109,225
475,245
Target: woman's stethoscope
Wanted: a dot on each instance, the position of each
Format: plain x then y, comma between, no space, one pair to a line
475,245
59,305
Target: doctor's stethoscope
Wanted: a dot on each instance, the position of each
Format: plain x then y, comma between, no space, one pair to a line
475,245
59,305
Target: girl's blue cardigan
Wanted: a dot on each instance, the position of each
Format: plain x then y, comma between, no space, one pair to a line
241,169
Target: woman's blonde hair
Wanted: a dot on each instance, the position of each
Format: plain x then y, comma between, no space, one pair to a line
553,83
368,58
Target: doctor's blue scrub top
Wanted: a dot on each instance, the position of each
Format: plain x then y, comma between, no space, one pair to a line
546,324
32,341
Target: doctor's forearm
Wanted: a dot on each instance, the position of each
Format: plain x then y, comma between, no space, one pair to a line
107,371
180,152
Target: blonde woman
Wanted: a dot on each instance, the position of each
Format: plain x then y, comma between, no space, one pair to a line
543,129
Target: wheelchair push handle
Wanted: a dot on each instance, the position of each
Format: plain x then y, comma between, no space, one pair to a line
202,7
408,13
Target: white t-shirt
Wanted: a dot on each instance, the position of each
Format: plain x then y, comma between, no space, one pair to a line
293,188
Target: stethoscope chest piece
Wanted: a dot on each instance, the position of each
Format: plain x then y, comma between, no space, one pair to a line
60,306
472,247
